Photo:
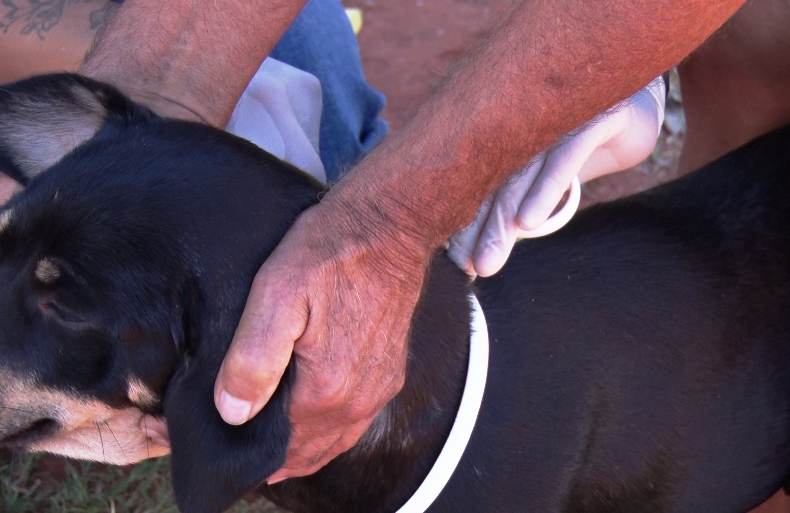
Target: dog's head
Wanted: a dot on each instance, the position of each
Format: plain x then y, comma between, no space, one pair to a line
124,267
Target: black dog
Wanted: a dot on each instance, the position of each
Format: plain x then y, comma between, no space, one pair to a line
639,357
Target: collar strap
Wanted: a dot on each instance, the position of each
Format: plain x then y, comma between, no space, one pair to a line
465,419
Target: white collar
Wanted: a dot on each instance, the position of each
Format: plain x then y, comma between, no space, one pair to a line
465,419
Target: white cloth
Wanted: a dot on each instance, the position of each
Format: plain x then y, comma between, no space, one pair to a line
280,111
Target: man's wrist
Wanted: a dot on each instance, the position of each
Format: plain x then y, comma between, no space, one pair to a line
192,59
385,212
362,224
168,85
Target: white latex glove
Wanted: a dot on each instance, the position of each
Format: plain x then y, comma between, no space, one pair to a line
618,139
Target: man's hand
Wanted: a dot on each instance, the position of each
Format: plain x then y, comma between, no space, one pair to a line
616,140
342,302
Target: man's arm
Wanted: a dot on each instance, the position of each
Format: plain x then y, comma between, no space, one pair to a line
549,67
188,59
340,289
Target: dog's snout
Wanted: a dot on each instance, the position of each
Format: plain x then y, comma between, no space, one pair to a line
35,431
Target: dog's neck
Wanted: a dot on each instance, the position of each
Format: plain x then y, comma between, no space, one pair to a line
396,453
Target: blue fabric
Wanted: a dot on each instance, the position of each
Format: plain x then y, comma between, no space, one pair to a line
322,42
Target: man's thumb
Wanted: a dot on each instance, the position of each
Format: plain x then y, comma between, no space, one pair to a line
258,356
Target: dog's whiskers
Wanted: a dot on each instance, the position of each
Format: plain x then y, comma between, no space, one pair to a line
147,443
117,442
101,442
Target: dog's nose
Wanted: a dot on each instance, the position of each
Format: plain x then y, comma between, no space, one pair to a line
21,434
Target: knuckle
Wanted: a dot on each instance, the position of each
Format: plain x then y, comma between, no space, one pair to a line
365,407
331,392
398,382
361,409
347,442
237,364
553,184
241,367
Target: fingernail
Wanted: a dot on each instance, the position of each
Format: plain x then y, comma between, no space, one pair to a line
234,411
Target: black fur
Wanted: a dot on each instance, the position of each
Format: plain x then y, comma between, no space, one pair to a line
638,357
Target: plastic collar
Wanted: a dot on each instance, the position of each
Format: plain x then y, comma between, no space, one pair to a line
465,419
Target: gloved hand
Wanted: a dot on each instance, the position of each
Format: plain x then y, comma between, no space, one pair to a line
617,140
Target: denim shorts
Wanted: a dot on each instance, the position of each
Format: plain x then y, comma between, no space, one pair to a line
321,42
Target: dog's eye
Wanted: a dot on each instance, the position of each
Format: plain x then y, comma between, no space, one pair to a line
64,315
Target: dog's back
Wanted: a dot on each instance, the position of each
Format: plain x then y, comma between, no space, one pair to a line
650,343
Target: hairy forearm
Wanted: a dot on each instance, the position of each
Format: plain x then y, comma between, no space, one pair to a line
547,68
189,59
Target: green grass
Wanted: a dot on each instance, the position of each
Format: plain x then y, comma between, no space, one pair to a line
41,484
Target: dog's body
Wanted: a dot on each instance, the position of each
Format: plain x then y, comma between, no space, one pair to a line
638,357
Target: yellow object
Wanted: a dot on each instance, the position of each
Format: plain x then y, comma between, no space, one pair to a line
355,17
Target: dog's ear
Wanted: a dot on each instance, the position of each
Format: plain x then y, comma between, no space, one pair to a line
43,118
213,464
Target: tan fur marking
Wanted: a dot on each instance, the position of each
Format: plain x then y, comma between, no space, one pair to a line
116,439
140,394
5,219
90,430
47,271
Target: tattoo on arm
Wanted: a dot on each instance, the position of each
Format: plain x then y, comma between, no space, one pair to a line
40,16
100,17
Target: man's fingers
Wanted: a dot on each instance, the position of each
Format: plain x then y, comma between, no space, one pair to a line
562,164
462,244
328,447
499,234
260,351
343,321
497,239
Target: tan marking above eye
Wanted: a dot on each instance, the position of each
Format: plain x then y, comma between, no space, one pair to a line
140,394
47,271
